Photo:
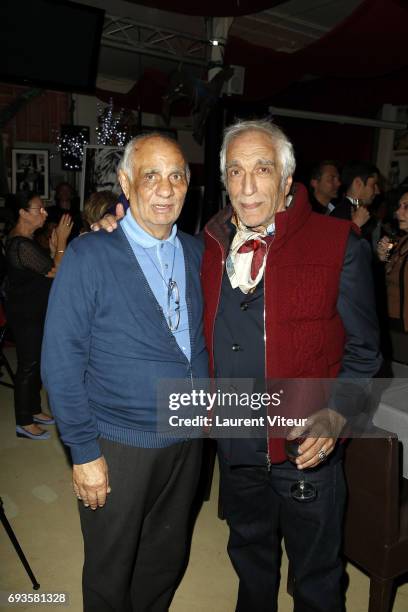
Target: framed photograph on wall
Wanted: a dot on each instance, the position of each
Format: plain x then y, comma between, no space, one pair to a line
29,171
99,170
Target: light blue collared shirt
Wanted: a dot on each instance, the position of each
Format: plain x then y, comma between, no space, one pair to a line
161,260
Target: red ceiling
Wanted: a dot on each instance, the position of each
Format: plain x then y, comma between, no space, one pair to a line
357,67
368,51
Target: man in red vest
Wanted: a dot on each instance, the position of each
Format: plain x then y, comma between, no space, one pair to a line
287,295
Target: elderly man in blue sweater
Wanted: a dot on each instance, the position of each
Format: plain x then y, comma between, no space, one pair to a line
125,311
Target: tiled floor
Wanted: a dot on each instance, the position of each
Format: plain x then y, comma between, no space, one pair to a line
35,487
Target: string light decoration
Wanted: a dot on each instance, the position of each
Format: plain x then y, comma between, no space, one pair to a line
111,130
70,144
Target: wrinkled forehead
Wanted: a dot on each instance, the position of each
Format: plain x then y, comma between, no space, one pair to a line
155,151
251,146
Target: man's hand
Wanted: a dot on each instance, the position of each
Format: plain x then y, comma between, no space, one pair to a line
321,433
91,482
360,216
109,222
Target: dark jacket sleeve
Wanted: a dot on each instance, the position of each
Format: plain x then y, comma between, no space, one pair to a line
342,210
356,306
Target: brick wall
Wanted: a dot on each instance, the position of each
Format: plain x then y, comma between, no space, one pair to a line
39,119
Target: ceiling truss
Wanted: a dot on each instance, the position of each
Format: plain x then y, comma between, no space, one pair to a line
130,35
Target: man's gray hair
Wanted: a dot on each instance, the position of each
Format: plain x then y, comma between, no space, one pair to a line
125,163
278,138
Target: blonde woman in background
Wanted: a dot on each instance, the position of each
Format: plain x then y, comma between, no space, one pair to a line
96,206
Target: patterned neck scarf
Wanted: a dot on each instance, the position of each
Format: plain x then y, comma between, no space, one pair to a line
246,259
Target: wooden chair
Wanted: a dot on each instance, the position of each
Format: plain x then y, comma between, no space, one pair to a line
376,522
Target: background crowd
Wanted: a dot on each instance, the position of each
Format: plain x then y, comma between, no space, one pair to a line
36,236
31,251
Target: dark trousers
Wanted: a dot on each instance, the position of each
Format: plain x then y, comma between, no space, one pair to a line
28,334
136,545
259,510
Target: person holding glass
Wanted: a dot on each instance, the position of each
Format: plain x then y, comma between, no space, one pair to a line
288,295
30,270
393,250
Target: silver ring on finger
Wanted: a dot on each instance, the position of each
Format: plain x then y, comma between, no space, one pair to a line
322,455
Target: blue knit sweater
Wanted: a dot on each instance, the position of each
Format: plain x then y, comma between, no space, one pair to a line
107,343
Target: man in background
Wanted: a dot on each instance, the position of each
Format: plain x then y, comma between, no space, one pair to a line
324,185
360,183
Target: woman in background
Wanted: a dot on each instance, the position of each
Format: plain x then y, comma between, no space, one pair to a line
30,270
395,256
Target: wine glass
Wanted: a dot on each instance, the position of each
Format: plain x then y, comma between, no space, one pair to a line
302,490
392,235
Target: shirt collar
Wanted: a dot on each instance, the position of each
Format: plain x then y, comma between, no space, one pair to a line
143,238
354,201
270,230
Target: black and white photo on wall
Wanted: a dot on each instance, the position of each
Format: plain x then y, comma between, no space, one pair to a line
99,170
29,171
